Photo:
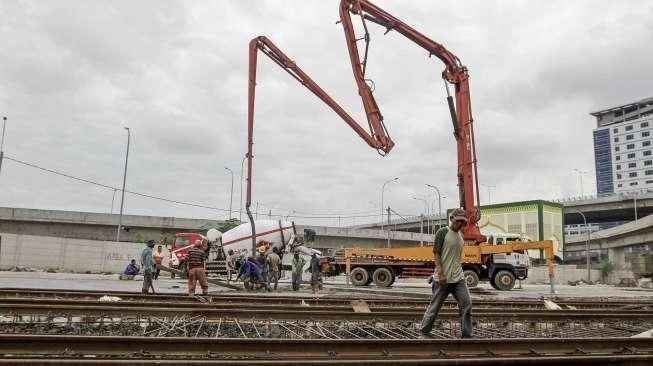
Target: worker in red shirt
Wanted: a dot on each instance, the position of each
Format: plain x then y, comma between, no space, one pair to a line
195,260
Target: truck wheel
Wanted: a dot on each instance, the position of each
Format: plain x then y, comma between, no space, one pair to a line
359,276
504,280
471,278
383,277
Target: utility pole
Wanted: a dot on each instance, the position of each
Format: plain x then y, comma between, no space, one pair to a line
124,181
231,195
2,144
240,209
635,204
256,210
382,191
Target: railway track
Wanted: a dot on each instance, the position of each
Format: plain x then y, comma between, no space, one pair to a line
255,311
46,350
236,300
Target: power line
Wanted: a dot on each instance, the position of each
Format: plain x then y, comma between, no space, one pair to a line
159,198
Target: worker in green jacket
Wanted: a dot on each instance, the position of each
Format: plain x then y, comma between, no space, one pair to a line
448,276
297,267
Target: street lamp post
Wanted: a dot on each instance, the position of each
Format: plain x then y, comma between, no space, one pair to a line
240,209
580,175
2,144
124,181
489,192
439,202
382,192
231,195
426,204
587,245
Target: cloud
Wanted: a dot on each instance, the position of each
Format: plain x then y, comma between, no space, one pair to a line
176,73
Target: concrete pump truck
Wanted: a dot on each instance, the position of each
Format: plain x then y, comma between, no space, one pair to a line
500,262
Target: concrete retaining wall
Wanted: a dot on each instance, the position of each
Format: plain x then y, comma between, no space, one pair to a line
566,273
65,254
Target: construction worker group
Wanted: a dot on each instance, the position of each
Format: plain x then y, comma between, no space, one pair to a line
262,271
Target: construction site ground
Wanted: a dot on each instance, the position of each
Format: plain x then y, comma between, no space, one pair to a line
334,286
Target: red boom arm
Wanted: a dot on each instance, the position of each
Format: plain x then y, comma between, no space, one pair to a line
378,137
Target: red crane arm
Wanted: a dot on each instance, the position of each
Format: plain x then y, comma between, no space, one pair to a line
454,73
376,138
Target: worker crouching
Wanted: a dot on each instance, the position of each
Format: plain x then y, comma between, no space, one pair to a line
195,259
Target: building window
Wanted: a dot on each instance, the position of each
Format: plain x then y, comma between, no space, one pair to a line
646,143
644,124
649,181
647,152
616,148
618,176
649,172
648,162
632,174
615,130
616,139
632,165
633,183
629,128
631,156
619,185
617,158
618,166
646,134
630,146
629,137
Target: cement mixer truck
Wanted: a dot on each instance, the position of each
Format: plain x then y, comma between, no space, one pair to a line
271,233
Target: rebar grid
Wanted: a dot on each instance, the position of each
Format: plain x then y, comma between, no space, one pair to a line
199,326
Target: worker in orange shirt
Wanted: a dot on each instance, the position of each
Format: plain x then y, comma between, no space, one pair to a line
158,259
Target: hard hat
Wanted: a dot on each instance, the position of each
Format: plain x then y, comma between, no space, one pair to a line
213,234
458,214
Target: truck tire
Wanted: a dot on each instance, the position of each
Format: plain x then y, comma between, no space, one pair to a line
359,276
504,280
383,277
471,278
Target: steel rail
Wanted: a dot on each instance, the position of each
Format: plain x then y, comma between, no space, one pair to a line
320,313
91,349
295,306
7,293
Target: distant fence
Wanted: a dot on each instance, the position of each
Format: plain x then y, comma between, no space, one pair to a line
69,255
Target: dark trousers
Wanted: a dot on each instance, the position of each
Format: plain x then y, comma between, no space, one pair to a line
440,293
156,273
147,281
273,277
296,280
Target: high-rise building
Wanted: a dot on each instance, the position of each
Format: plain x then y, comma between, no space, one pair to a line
623,150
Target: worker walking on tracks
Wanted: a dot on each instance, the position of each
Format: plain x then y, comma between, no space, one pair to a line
297,268
195,259
273,267
448,275
149,267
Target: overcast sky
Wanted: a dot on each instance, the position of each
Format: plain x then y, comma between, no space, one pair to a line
75,72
